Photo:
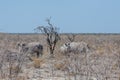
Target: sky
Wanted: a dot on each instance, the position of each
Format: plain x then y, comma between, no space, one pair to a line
70,16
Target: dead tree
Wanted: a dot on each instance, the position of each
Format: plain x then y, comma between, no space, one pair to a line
52,35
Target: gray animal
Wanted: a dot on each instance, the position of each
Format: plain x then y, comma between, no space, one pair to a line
75,47
34,48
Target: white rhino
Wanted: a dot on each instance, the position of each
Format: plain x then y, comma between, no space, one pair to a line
75,47
32,48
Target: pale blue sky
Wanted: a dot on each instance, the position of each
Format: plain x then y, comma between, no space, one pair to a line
76,16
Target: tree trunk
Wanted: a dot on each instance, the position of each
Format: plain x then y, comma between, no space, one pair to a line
51,52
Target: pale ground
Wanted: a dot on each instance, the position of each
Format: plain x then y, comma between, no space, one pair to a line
102,62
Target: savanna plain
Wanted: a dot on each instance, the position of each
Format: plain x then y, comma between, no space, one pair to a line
100,62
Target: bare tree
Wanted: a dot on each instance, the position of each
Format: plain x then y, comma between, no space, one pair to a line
52,35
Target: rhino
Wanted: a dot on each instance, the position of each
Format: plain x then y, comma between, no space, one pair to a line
75,47
34,48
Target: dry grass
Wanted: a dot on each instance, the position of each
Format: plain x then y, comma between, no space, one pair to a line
102,60
37,63
61,65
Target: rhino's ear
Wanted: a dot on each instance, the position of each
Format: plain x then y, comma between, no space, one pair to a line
18,44
23,45
67,44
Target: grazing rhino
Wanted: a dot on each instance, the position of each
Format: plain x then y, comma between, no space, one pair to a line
75,47
32,48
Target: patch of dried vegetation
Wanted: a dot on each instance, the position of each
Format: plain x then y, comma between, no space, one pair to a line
101,62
